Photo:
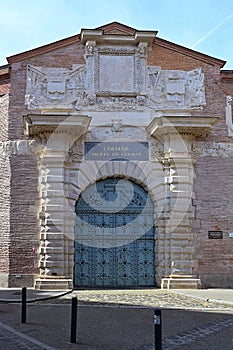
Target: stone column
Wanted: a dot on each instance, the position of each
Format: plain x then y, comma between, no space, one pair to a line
56,216
176,132
180,213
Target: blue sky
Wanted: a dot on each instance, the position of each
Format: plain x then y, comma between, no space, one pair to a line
204,25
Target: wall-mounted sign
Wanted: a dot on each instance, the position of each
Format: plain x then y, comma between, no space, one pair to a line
230,234
215,234
115,151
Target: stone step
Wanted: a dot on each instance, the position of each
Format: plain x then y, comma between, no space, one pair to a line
180,283
53,284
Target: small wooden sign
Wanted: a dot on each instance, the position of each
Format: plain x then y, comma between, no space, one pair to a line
215,234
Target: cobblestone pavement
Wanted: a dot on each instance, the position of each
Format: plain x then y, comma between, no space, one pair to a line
192,335
149,298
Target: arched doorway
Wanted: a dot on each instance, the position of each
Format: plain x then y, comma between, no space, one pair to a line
114,236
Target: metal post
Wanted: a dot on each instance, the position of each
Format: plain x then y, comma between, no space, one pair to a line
73,321
158,329
24,305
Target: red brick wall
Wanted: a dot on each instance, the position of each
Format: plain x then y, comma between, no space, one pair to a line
4,101
4,175
23,221
169,59
4,80
214,211
4,213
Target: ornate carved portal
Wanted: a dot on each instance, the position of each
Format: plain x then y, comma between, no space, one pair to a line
115,88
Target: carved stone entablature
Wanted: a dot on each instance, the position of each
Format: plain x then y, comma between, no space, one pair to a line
115,77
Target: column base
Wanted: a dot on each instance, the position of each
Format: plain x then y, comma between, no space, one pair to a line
53,283
180,282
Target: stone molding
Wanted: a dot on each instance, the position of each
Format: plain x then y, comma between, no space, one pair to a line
198,148
19,148
228,110
212,149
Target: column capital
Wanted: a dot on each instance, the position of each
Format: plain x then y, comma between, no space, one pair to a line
57,132
40,123
186,126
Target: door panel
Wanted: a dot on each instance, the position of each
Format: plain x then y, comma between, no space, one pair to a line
113,245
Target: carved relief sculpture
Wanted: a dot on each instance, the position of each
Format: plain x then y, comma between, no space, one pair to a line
114,79
171,89
48,87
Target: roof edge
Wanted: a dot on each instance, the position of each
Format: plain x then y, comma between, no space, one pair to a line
44,49
76,38
4,72
189,52
4,66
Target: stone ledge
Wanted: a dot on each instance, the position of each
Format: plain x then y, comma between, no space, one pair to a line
180,282
53,283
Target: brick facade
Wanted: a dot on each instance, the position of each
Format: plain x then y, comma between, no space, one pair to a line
21,199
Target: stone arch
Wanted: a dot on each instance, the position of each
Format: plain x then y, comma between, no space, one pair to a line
149,175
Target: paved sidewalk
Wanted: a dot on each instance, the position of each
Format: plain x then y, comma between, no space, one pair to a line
117,319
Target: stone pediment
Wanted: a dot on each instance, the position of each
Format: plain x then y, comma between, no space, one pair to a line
115,77
117,28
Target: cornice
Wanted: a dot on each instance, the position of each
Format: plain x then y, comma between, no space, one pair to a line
185,124
35,124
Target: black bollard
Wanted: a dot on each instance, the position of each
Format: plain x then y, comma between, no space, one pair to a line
24,305
158,329
73,321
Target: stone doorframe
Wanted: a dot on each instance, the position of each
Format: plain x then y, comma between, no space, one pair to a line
169,183
177,131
